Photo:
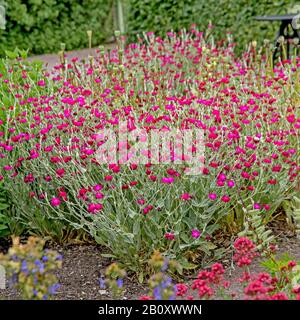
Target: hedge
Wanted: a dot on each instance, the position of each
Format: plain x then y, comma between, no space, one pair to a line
42,25
236,17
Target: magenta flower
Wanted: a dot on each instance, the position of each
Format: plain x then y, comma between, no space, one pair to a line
212,196
60,172
196,233
230,183
147,209
48,178
29,178
97,187
169,236
55,202
167,180
94,207
9,148
41,83
185,196
99,195
141,201
220,183
225,198
222,177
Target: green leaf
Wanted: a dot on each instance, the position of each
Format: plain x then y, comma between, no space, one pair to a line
108,255
4,233
132,213
11,54
186,264
3,206
210,246
141,277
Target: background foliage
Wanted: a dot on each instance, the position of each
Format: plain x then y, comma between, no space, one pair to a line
41,25
226,16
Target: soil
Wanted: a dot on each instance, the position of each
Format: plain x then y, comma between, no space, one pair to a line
83,266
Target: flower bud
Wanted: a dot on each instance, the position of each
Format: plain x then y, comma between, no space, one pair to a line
280,40
89,33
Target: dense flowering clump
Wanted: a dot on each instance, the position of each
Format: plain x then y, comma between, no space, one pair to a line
244,251
181,289
206,278
53,143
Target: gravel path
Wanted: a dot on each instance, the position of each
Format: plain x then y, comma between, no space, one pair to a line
50,60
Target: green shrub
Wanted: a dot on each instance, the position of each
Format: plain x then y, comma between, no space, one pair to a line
41,25
226,15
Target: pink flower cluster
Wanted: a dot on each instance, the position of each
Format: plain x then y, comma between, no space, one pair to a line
208,277
245,251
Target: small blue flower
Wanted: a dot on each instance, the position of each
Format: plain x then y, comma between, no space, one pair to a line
45,259
165,266
14,258
102,283
157,293
120,283
59,257
40,265
37,262
24,267
52,289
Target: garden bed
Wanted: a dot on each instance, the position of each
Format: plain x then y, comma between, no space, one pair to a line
83,266
172,150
